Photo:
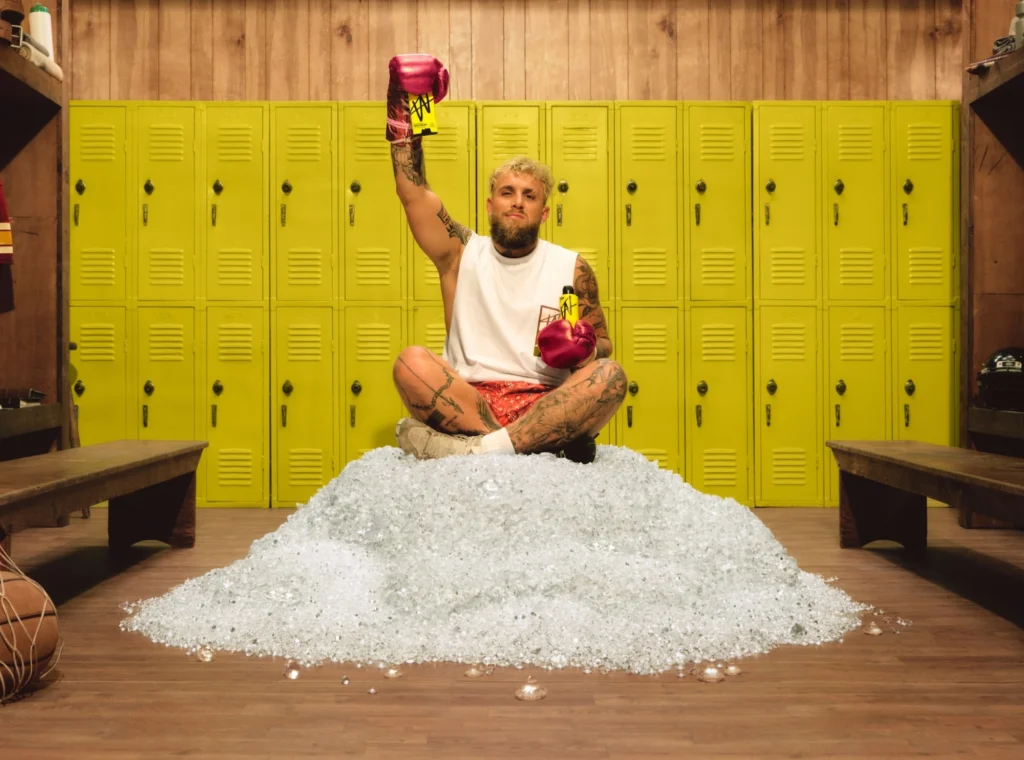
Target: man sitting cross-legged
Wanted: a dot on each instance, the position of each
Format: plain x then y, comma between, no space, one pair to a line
491,391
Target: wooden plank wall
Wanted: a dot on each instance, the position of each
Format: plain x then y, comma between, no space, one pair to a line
519,49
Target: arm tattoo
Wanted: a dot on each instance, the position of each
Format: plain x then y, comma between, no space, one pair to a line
455,230
585,284
408,157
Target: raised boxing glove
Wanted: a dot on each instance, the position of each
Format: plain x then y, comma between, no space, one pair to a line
565,346
412,74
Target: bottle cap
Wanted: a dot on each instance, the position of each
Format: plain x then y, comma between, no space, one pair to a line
39,8
567,290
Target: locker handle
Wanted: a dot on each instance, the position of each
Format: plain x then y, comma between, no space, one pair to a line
629,416
284,415
76,214
213,214
768,414
772,387
698,415
837,415
909,387
80,186
79,387
696,212
767,214
629,214
558,212
906,415
218,188
213,415
352,415
351,215
633,388
145,214
149,187
149,387
284,214
841,387
906,215
835,214
145,415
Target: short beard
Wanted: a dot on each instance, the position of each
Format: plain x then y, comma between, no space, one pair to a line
513,239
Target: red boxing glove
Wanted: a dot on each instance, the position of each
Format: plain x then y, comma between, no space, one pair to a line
564,346
415,74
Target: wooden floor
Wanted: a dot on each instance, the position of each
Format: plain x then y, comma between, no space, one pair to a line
951,684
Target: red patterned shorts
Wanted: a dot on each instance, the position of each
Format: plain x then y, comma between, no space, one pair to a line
510,400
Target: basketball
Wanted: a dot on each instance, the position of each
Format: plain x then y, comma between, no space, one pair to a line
29,632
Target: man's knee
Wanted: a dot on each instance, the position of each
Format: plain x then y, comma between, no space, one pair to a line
412,360
613,377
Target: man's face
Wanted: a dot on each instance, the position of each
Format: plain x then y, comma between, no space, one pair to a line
516,210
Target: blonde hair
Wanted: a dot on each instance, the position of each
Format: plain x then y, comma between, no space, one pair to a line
529,167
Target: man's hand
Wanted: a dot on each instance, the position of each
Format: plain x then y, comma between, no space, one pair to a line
566,346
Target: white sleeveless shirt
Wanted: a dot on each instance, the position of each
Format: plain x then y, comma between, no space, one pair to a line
500,306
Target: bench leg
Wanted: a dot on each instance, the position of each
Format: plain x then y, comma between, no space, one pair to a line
161,512
870,511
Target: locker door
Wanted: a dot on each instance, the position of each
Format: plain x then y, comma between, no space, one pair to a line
302,217
855,385
717,215
373,338
166,374
648,418
580,204
718,392
303,409
165,189
428,328
787,411
505,130
855,180
98,175
786,215
235,398
374,220
236,207
99,373
923,201
923,381
450,163
648,202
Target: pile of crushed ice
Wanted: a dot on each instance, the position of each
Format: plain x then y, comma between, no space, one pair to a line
524,560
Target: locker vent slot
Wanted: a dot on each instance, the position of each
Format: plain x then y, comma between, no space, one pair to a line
924,142
234,467
370,146
96,342
789,266
96,266
856,142
234,342
647,142
430,275
789,467
166,267
373,267
589,255
857,342
926,343
579,142
786,142
444,146
656,455
789,341
720,467
97,142
305,342
650,343
856,266
166,142
373,342
717,142
718,342
925,266
302,142
718,266
234,266
305,467
234,142
509,140
650,266
305,266
166,342
435,338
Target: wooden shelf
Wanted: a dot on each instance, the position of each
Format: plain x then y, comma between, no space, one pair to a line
995,91
29,419
30,97
995,422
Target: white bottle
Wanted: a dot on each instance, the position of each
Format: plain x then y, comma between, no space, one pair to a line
40,27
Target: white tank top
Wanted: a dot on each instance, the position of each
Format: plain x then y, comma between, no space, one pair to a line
500,306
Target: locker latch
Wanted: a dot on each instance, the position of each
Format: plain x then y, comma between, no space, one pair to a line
563,187
837,415
768,415
698,415
145,415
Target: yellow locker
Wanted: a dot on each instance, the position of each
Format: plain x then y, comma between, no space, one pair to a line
649,353
923,382
166,373
580,161
373,338
505,130
236,392
856,394
165,192
450,160
99,373
717,170
303,407
786,361
718,416
99,180
648,201
786,177
922,193
428,327
374,223
301,216
237,205
854,186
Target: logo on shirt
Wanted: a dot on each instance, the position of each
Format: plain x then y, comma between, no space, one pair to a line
548,314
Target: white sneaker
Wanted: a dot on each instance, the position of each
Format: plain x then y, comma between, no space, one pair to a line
423,442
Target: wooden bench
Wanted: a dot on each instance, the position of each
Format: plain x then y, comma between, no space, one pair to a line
884,487
151,487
